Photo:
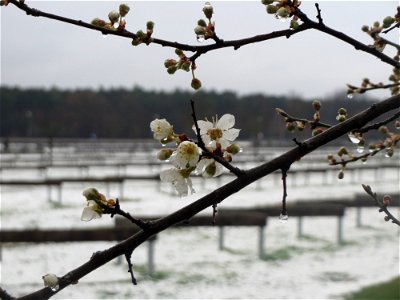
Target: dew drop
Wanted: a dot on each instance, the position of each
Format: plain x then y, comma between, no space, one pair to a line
283,218
240,150
350,96
104,35
55,288
360,149
353,138
200,38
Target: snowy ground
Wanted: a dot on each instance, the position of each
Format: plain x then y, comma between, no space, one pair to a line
188,262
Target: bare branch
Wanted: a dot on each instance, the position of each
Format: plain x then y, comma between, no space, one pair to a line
379,124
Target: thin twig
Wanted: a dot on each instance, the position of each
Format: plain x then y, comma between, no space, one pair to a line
391,28
379,124
361,90
284,196
381,205
290,118
128,256
319,17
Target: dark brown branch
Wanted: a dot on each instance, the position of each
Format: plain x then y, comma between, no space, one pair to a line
397,46
397,25
290,118
284,196
362,90
4,295
355,158
225,191
319,17
128,256
382,206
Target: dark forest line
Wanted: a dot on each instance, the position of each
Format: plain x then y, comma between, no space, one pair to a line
127,113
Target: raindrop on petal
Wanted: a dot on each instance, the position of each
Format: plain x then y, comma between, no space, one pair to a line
360,149
283,218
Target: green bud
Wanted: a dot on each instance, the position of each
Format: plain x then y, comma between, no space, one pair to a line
136,42
98,22
316,105
342,111
266,2
172,69
317,131
150,25
233,149
386,218
113,16
210,170
271,9
199,30
282,12
371,147
185,66
294,24
300,125
365,28
169,62
196,84
341,175
376,24
388,21
342,151
164,154
202,23
178,52
208,10
341,118
140,34
383,129
123,9
290,126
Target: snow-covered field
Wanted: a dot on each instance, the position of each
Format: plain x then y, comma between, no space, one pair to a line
188,262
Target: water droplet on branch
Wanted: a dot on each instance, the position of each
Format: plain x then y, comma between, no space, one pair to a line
353,138
350,96
200,38
283,218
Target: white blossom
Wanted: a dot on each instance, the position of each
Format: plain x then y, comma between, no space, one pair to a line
51,281
91,211
162,129
186,155
219,131
179,179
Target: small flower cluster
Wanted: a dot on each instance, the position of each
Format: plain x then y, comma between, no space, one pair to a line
183,63
187,157
116,19
96,204
283,10
205,30
144,37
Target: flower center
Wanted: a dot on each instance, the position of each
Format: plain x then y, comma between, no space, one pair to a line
215,133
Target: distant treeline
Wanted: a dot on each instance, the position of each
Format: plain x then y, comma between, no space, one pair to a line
124,113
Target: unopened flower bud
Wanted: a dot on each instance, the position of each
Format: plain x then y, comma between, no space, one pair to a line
317,131
199,30
389,152
316,105
290,126
113,16
371,147
342,111
172,69
179,52
330,156
388,21
140,34
150,25
208,10
294,24
365,28
164,154
169,62
397,124
185,66
98,22
376,24
233,149
386,218
123,9
202,23
91,194
136,42
266,2
210,170
341,175
341,118
196,84
282,12
317,116
271,9
300,125
386,200
383,129
342,151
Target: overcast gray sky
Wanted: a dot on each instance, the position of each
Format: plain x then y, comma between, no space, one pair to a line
37,52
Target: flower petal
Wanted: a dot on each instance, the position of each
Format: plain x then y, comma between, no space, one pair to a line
204,126
227,121
231,134
89,214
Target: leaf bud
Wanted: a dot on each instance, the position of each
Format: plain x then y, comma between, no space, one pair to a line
271,9
140,34
199,30
136,42
282,12
98,22
376,24
202,23
294,24
341,174
172,69
123,9
266,2
388,21
196,84
386,218
208,10
113,16
233,149
185,66
341,118
164,154
386,200
316,105
179,52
